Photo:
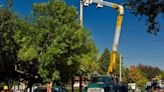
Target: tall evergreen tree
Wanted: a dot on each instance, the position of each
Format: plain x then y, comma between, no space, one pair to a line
104,62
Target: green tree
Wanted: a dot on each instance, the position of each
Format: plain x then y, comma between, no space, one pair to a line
125,72
104,62
27,65
10,30
136,76
141,83
57,41
88,65
162,75
149,8
149,72
9,3
8,46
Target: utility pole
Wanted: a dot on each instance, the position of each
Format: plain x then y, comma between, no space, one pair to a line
120,77
81,23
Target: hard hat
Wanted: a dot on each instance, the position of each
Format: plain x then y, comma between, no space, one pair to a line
5,87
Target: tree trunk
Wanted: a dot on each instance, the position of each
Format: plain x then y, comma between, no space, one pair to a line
30,85
80,83
72,83
30,88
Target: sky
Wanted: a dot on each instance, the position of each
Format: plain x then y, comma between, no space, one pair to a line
136,45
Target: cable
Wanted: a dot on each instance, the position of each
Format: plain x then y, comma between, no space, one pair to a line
137,41
143,57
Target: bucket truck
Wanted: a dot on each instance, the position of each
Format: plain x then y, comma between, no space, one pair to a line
107,83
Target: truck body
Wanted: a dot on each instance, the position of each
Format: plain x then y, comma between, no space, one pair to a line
105,84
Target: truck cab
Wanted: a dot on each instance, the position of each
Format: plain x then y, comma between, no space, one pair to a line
104,84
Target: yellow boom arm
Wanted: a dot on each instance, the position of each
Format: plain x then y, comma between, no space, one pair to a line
115,45
120,10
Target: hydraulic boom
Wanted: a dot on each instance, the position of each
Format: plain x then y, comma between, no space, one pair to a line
120,11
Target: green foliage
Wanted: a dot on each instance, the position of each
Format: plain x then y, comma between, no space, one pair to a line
88,64
149,72
162,74
104,62
149,8
27,55
141,83
9,3
56,39
125,76
2,84
8,46
116,70
136,76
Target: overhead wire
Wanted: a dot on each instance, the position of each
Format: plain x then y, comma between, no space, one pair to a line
134,41
144,57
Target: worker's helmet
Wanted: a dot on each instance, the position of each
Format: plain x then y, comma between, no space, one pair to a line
5,87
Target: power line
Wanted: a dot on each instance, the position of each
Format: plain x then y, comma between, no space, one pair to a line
132,42
135,41
144,57
135,57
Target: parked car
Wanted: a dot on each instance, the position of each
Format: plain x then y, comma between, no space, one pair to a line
54,89
59,89
161,84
